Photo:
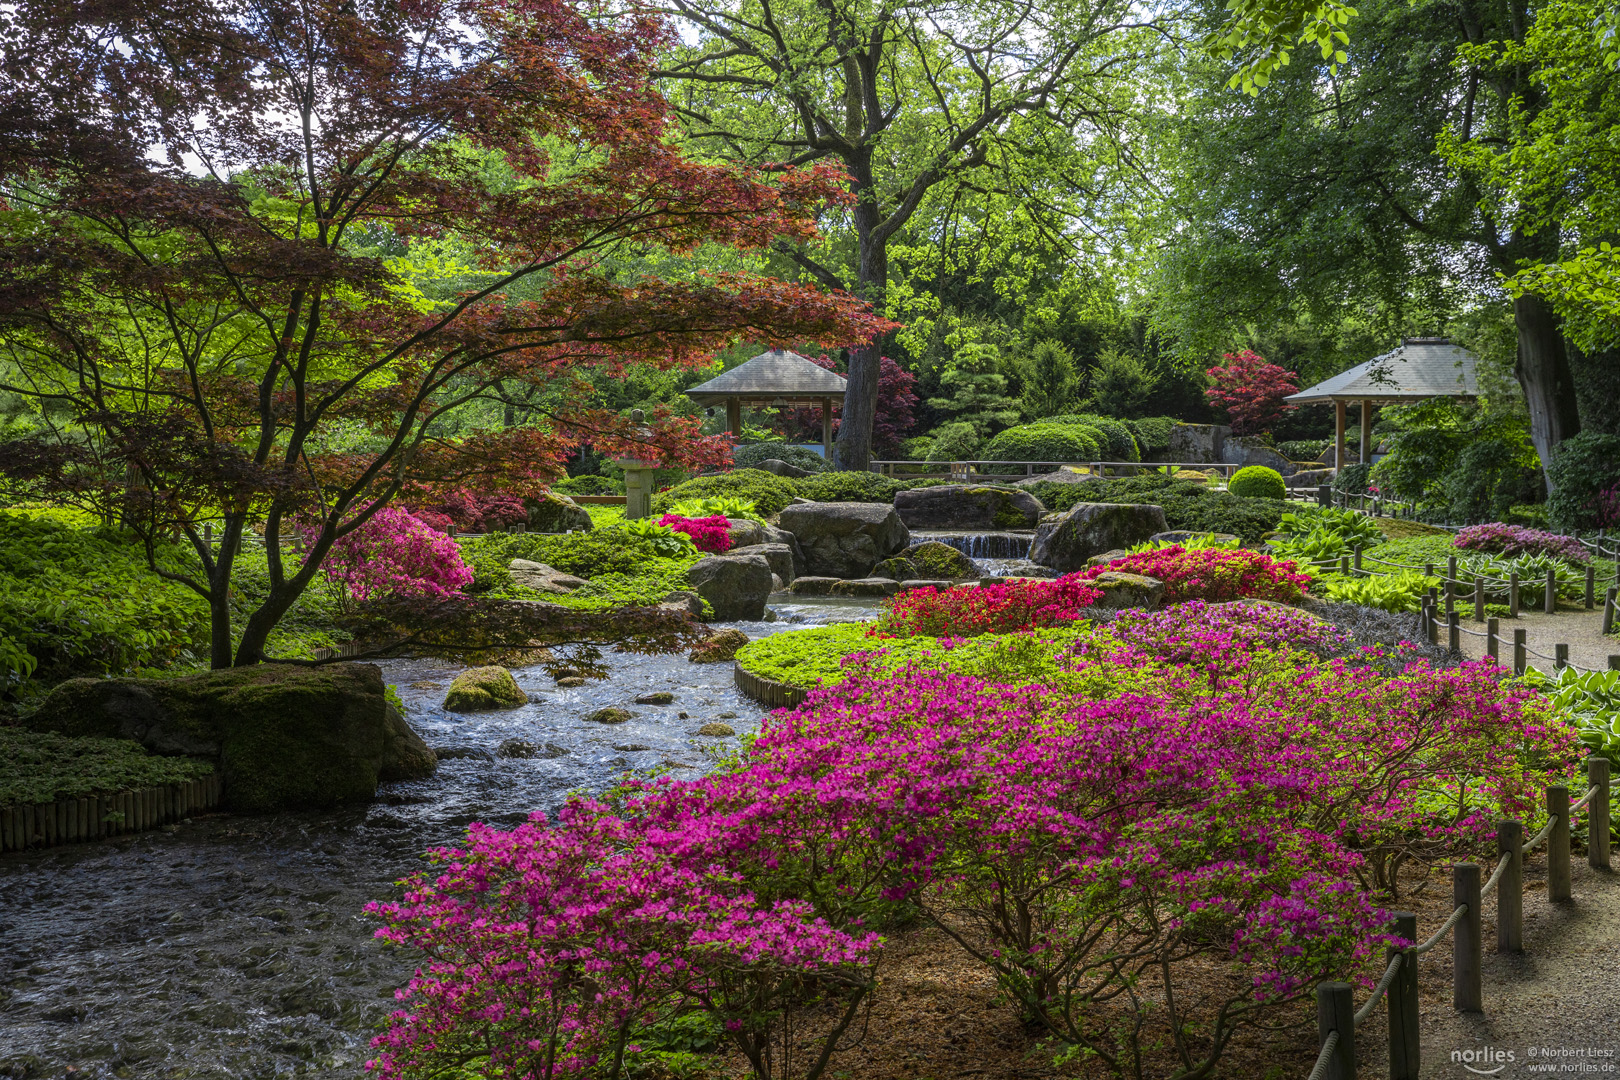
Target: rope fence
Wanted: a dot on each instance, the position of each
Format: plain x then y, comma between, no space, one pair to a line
1336,1017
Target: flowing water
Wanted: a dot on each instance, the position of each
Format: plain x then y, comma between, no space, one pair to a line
232,946
996,554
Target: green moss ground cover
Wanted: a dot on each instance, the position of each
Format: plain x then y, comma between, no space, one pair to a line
39,767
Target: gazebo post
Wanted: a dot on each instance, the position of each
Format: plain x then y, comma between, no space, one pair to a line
1366,431
1338,433
826,428
734,416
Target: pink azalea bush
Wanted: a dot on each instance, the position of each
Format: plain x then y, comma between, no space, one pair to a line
1234,805
394,553
710,534
1511,540
1212,574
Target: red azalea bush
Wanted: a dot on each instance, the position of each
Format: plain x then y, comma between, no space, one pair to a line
472,512
1510,540
1220,833
971,610
1213,575
710,534
394,553
1252,390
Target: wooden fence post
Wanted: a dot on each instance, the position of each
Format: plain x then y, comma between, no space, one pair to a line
1454,631
1597,813
1560,656
1510,890
1608,607
1324,495
1513,594
1558,883
1467,989
1519,647
1336,1012
1405,1054
1493,641
1550,604
1590,595
1479,599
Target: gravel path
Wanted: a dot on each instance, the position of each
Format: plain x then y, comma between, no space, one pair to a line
1562,994
1580,630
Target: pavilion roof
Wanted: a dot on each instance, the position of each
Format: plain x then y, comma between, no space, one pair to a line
1418,368
771,375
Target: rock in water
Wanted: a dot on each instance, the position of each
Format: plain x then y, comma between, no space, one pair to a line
871,586
845,540
611,715
554,513
483,688
779,556
1068,541
966,506
285,738
517,748
897,568
735,587
717,648
938,560
719,731
657,697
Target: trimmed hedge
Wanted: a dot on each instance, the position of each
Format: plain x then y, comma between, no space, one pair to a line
1045,442
1152,433
1115,436
750,456
768,492
1187,504
1258,482
869,487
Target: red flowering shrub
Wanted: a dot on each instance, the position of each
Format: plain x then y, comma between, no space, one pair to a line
1213,575
710,534
394,554
1252,391
968,611
472,512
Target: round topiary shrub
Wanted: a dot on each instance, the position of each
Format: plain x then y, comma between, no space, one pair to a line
1258,482
1115,437
866,487
1045,442
750,456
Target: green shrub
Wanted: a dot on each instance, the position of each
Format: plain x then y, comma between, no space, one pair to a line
751,455
1187,504
617,550
1401,591
1352,479
715,506
83,602
37,767
1152,433
1258,482
768,492
1591,701
954,442
1045,442
868,487
1114,436
917,448
590,484
1585,478
1303,449
1530,515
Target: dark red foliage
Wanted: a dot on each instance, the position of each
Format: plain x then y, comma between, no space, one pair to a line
1252,391
895,415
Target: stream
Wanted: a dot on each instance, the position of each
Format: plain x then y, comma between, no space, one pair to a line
237,946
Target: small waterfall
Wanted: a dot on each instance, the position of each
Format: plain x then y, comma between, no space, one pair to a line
996,554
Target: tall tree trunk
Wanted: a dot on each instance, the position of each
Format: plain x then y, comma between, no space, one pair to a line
1543,371
853,448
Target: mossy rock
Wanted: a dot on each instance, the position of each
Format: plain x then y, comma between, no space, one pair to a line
718,648
936,560
481,689
717,730
611,715
284,737
899,568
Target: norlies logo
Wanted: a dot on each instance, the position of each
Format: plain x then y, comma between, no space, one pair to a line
1486,1061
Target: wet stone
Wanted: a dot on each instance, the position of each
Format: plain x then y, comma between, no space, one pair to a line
632,747
610,715
717,730
517,748
660,697
568,682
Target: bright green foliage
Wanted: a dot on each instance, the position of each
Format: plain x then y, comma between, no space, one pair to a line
1050,379
868,487
37,768
768,492
1114,435
1473,463
750,455
1152,433
586,555
976,385
1585,473
1257,482
665,542
1402,591
590,484
1568,582
1120,382
1589,700
1353,479
82,601
1261,36
1201,542
955,442
1045,442
728,506
1358,530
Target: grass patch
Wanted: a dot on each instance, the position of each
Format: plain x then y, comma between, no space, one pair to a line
38,768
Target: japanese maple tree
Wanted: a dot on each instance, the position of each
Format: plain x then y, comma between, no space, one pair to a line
1252,390
228,228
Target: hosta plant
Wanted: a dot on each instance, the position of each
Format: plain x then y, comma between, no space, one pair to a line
1402,591
1588,699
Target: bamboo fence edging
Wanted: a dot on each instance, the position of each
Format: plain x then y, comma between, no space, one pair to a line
97,817
778,695
1336,1018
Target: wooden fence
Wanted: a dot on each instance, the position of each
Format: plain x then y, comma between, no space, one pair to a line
1336,1016
778,695
95,817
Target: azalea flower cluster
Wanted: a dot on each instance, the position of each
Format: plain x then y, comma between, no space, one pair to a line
968,611
710,534
1212,574
1203,789
393,554
467,511
1511,540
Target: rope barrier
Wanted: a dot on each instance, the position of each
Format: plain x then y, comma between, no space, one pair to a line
1390,972
1578,807
1440,935
1535,841
1496,876
1328,1045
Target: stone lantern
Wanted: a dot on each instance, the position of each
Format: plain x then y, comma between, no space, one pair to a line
638,477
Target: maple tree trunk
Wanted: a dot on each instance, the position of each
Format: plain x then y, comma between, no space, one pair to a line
854,445
1543,371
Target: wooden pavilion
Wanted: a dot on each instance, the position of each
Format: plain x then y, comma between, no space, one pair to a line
1421,367
774,380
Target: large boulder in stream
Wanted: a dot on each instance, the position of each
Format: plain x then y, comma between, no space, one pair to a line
284,737
968,506
938,560
845,540
1067,543
736,586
